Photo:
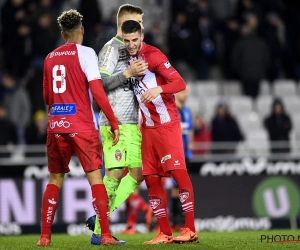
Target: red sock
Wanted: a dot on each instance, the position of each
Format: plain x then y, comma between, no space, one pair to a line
158,202
186,196
49,205
100,204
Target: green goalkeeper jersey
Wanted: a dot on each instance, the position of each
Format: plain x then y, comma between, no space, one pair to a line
113,61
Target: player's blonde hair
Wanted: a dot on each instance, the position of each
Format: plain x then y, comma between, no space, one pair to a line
70,21
130,9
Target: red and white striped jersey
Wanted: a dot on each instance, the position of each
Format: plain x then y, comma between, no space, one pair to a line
160,72
67,73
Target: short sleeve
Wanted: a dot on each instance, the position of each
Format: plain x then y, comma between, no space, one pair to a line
89,63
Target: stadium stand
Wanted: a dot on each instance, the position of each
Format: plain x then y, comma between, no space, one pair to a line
194,103
265,88
284,88
258,142
292,103
231,88
240,104
250,121
207,88
263,105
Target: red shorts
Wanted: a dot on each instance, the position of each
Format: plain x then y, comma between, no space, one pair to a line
162,149
60,148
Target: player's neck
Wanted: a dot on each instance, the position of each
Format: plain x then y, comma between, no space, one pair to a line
179,105
74,40
119,33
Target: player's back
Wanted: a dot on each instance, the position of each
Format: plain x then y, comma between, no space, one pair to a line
65,72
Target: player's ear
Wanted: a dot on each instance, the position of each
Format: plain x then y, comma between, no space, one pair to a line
82,30
142,36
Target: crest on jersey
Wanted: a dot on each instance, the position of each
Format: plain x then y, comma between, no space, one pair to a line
183,195
118,155
123,54
154,202
167,64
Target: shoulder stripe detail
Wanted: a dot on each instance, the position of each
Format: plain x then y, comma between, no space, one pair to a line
105,72
107,57
117,39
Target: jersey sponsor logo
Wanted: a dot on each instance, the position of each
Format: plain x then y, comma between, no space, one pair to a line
137,88
60,124
167,64
63,109
118,155
73,134
154,202
52,201
183,195
165,158
107,57
176,163
63,53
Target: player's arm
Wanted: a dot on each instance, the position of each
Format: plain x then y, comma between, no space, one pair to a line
111,82
102,101
108,59
175,82
45,85
90,68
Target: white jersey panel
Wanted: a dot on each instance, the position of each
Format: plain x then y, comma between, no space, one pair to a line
146,112
89,62
161,109
149,82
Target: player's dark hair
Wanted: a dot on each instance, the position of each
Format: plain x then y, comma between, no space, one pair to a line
131,26
70,20
129,9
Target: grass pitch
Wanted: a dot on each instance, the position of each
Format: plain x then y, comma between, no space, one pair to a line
246,240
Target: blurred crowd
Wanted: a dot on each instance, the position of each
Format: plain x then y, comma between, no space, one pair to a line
222,133
247,40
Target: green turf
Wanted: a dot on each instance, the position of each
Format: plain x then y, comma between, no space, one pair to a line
250,240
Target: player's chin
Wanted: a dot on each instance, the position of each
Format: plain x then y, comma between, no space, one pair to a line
132,52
